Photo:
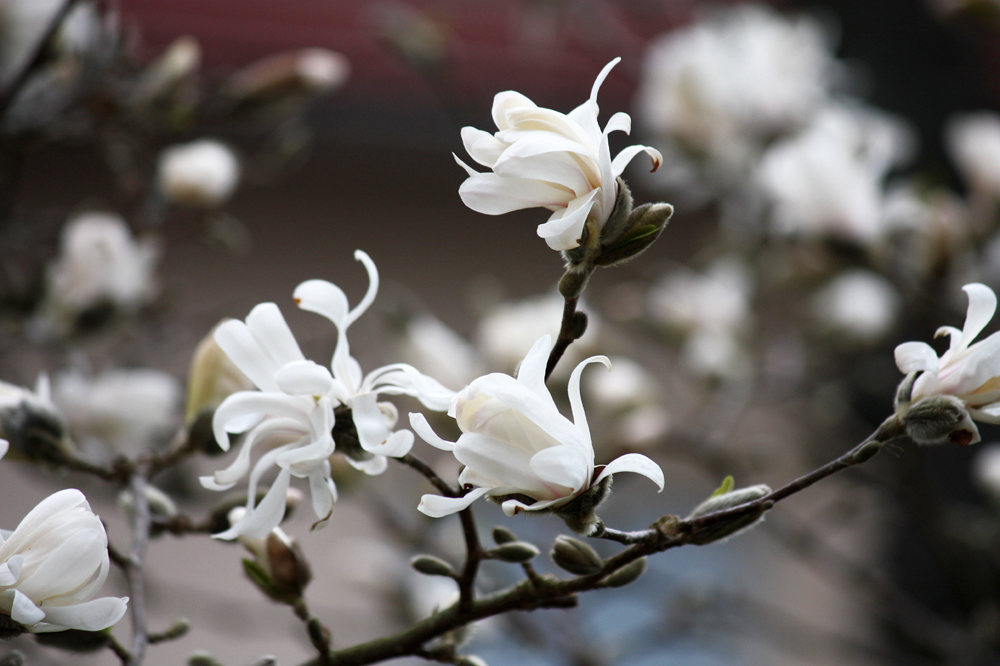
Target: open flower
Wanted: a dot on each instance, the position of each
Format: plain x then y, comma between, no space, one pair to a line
968,372
516,446
295,406
543,158
53,564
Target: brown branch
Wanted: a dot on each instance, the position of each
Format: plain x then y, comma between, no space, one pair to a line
412,461
568,333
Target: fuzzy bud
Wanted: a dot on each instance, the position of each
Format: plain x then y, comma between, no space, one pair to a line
433,566
627,575
580,514
30,423
516,552
502,535
727,500
575,556
937,418
644,226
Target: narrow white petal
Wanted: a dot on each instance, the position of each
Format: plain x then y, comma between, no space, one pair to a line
576,402
403,379
633,462
501,460
244,350
437,506
322,491
370,422
370,294
304,378
916,357
324,298
239,406
469,170
263,518
623,158
982,306
420,426
268,325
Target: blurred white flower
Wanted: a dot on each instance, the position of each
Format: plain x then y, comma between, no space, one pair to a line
986,471
858,303
289,74
828,180
518,448
99,262
202,173
543,158
30,422
213,377
724,86
718,299
295,404
53,564
967,371
973,140
127,409
430,344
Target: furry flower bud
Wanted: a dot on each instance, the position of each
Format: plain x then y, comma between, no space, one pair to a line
575,556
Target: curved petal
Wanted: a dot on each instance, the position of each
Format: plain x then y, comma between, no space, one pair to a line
24,610
504,102
249,403
564,228
498,459
93,615
437,506
420,426
372,467
512,507
576,402
564,466
404,379
268,325
324,298
623,158
264,517
556,168
982,306
482,146
916,357
372,290
244,350
531,372
10,570
304,378
370,422
322,490
633,462
491,194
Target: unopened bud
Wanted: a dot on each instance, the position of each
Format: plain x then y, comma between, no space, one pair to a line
573,282
727,500
516,552
644,226
729,527
178,629
203,658
31,425
628,574
939,418
502,535
280,568
212,378
12,658
575,556
433,566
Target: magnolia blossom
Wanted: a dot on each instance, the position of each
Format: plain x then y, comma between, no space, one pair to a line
974,143
53,564
294,407
859,303
518,448
200,173
543,158
968,371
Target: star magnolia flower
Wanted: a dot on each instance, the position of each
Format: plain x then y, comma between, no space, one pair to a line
53,563
543,158
969,372
296,401
516,443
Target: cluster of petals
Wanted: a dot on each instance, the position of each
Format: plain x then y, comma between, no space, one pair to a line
546,159
968,371
515,442
293,410
53,564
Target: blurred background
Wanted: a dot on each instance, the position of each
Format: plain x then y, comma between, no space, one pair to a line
835,168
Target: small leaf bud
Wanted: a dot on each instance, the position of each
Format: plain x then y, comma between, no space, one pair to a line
502,535
644,226
937,418
178,629
727,500
203,658
433,566
575,556
516,552
628,574
729,527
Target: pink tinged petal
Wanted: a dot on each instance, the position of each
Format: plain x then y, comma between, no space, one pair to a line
324,298
623,158
24,610
482,146
504,102
304,378
236,408
916,357
437,506
244,350
420,426
93,615
564,229
566,467
576,402
633,462
982,306
10,570
263,518
268,325
491,194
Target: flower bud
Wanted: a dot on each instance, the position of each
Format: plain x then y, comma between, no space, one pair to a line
580,514
936,418
202,174
203,658
280,568
433,566
575,556
516,552
627,575
729,527
502,535
12,658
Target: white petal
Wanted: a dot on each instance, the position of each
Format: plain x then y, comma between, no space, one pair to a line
24,610
633,462
10,570
370,422
372,290
304,378
916,357
491,194
982,306
93,615
268,325
323,491
556,168
437,506
566,466
623,158
503,102
264,517
244,350
238,406
372,467
576,402
482,146
501,460
564,229
4,445
403,379
324,298
531,372
420,426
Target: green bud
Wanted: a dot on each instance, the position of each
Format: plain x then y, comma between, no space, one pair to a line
727,500
575,556
515,552
644,226
729,527
203,658
178,629
433,566
502,535
75,640
937,418
628,574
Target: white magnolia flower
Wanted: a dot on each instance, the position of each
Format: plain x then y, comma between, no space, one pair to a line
429,343
100,262
53,564
717,300
968,371
516,443
723,86
828,180
200,173
295,404
859,303
974,143
543,158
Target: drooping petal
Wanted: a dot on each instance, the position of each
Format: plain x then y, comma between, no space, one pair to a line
420,426
369,421
322,490
633,462
93,615
916,357
437,506
623,158
225,479
564,466
564,228
374,466
324,298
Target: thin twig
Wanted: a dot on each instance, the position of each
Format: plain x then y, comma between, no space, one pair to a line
141,521
412,461
120,650
473,556
566,335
